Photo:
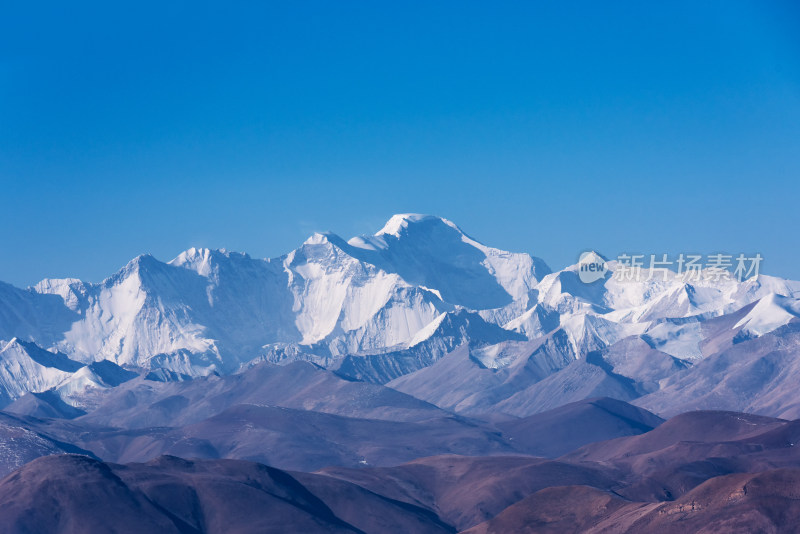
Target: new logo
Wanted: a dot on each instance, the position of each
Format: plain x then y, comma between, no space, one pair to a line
591,267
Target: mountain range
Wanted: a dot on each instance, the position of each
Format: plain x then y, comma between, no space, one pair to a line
420,306
440,383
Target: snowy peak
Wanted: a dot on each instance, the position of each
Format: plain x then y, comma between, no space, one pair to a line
433,252
408,226
324,249
317,238
463,326
770,313
208,263
26,367
326,238
45,358
139,264
198,260
401,224
26,314
535,322
71,290
100,375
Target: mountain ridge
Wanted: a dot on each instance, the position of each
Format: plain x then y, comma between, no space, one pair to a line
387,308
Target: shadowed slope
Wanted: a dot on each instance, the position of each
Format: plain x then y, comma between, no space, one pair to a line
75,494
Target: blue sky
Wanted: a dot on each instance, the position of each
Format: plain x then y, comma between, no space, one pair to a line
544,127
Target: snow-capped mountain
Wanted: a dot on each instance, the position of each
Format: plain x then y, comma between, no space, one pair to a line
26,367
372,308
435,253
214,310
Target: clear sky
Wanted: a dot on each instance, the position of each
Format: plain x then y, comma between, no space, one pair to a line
543,127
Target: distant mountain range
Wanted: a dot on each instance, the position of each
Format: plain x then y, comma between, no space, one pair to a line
420,306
